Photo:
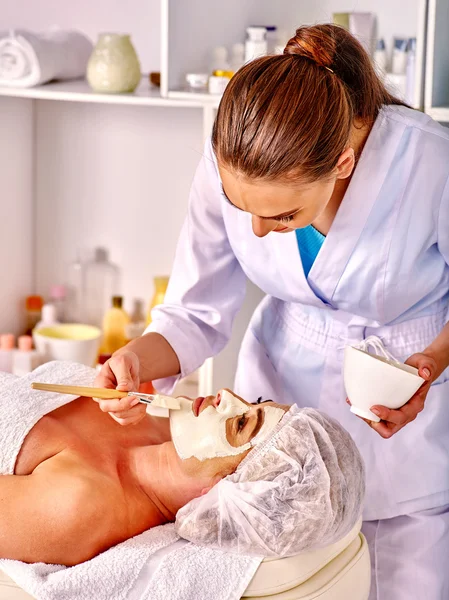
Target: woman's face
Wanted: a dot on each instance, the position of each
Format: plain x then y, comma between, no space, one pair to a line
218,431
279,207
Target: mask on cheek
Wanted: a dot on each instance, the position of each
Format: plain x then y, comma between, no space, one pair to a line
204,436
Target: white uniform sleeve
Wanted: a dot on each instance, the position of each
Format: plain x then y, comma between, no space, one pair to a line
207,285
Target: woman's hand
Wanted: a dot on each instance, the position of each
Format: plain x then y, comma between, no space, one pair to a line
393,421
121,372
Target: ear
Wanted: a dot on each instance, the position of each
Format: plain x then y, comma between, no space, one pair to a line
345,164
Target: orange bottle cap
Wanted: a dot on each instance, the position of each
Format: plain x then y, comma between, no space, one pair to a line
25,343
34,303
7,341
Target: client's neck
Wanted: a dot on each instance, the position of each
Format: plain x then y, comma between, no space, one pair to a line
159,472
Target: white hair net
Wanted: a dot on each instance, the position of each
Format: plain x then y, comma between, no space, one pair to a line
300,490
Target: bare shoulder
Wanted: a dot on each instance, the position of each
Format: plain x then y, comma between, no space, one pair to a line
61,514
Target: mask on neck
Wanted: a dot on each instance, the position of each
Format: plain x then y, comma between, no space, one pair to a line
205,436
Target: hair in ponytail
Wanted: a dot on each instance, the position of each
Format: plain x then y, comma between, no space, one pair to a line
290,115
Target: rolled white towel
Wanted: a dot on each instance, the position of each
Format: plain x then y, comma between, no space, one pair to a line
28,59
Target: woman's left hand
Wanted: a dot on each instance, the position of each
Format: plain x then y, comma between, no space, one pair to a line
393,421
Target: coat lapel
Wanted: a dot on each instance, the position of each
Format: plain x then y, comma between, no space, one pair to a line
359,200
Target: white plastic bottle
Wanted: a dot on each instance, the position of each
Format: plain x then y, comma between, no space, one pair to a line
49,316
219,60
6,352
399,62
380,58
74,312
411,72
102,282
237,57
25,359
256,43
272,39
58,297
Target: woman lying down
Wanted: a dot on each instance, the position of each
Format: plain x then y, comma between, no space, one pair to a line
264,479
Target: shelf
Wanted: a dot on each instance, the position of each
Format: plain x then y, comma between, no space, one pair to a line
204,98
79,91
439,113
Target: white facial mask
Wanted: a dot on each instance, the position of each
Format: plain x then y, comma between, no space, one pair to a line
205,436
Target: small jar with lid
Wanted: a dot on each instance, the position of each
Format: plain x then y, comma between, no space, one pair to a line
197,82
218,81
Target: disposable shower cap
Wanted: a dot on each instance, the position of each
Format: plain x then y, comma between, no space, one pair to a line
300,490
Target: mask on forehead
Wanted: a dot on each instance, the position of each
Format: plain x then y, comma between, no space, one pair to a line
205,436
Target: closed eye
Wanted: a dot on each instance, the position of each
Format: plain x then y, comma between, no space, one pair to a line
286,219
241,423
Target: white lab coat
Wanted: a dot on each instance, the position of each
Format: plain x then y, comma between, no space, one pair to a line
382,270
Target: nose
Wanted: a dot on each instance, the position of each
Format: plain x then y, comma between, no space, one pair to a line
262,227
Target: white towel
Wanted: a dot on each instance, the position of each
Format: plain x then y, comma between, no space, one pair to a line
132,570
28,59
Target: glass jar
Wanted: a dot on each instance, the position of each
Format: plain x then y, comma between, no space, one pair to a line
113,66
160,287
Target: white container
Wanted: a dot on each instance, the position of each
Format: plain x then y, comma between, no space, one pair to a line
372,380
49,316
381,59
272,38
58,297
25,359
101,283
219,60
73,342
7,341
197,82
75,291
237,57
411,72
256,43
399,60
217,85
113,67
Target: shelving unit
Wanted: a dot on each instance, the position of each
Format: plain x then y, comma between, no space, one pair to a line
79,91
436,99
86,169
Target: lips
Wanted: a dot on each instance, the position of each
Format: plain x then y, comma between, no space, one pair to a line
197,405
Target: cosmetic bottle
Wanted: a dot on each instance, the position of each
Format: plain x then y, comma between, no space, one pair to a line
49,317
25,359
256,43
6,352
101,283
114,327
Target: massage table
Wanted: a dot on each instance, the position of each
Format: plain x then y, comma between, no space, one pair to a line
338,572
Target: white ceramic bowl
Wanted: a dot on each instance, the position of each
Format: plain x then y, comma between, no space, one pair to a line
74,342
371,380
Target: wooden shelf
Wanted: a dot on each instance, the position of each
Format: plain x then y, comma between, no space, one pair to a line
79,91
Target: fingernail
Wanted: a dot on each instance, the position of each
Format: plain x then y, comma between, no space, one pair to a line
134,402
376,411
426,372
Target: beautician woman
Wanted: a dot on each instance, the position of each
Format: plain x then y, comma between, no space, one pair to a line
333,198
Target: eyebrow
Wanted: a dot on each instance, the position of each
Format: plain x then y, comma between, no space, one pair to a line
286,214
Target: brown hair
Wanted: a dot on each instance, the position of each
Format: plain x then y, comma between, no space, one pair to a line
290,116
